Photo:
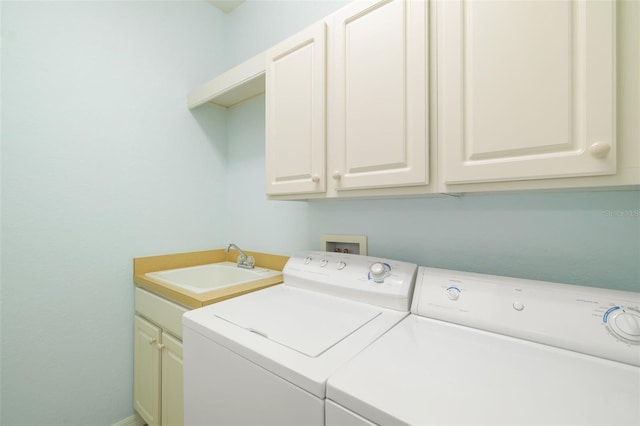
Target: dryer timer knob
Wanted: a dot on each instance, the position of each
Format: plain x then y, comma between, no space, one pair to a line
378,272
453,293
624,323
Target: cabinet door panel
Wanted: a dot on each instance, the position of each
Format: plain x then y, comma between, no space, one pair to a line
379,95
295,114
526,89
172,382
146,386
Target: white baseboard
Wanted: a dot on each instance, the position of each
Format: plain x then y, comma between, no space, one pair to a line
134,420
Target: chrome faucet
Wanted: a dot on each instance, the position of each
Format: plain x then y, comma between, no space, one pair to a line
244,261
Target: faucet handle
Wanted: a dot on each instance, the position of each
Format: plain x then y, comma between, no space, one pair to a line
246,262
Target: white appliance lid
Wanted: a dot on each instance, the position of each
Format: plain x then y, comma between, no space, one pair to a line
304,322
429,372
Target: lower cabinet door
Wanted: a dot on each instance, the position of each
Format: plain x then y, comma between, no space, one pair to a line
146,380
172,395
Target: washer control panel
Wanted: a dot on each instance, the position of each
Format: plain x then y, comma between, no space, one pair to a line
594,321
384,282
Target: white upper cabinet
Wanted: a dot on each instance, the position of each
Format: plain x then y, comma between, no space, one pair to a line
295,114
409,97
525,89
378,112
376,119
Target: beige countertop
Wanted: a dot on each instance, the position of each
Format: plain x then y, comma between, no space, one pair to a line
143,265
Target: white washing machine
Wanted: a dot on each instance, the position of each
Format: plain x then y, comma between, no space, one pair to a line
486,350
264,358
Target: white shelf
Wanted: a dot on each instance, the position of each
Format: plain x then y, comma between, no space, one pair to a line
237,85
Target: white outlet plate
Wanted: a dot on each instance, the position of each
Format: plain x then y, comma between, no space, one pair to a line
355,244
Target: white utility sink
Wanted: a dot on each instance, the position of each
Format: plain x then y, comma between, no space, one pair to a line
214,276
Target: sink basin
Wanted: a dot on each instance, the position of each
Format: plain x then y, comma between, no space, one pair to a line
214,276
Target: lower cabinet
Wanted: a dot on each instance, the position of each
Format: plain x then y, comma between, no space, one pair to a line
146,371
172,391
157,382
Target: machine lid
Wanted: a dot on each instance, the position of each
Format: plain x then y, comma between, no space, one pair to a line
305,322
437,373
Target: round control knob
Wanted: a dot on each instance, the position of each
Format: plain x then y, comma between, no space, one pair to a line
624,323
378,271
307,260
315,178
323,263
599,149
453,293
341,265
336,175
518,306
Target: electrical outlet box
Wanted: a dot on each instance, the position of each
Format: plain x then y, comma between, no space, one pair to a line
354,244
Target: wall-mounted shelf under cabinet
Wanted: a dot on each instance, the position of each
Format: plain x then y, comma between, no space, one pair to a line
234,86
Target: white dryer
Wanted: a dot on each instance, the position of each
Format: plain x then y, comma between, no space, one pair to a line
486,350
264,358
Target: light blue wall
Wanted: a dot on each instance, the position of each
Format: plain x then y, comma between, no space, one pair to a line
257,25
101,162
271,227
589,238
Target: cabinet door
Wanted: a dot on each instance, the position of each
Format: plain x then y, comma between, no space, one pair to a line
146,378
525,89
378,95
172,395
295,114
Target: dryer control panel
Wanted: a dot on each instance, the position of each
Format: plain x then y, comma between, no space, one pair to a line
593,321
378,281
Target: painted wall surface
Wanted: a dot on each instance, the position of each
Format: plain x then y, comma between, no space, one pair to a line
256,25
101,162
588,238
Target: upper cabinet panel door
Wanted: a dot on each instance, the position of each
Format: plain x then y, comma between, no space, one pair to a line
295,114
378,95
525,89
